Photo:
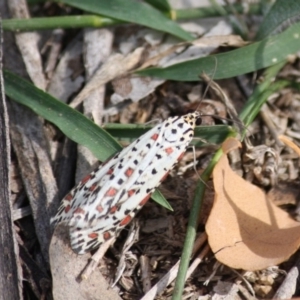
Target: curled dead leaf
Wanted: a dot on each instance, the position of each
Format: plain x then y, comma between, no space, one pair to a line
245,229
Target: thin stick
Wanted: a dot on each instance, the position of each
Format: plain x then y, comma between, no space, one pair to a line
172,274
94,261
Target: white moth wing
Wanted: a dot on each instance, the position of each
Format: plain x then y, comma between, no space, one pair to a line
112,195
78,197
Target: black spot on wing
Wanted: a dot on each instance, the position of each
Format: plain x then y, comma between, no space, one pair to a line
92,243
92,219
153,172
188,130
122,194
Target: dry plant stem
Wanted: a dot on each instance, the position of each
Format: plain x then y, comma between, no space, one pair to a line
10,269
55,47
29,143
216,266
197,261
36,170
132,237
20,213
249,286
265,114
94,261
145,272
172,274
289,143
28,45
62,83
245,293
292,134
228,104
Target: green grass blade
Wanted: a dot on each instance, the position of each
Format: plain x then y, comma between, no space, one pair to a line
281,13
159,198
130,132
71,122
131,11
162,5
244,60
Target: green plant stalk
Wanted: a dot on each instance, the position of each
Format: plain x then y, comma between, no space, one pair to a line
253,106
261,100
65,22
95,21
251,109
192,228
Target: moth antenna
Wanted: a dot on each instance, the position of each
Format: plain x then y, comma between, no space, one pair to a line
239,122
195,167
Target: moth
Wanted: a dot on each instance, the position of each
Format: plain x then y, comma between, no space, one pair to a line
106,200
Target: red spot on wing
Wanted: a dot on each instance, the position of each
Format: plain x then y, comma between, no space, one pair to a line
169,150
110,171
154,137
130,193
67,208
129,172
106,235
68,197
111,192
113,209
79,210
125,221
144,201
92,187
86,179
93,235
99,208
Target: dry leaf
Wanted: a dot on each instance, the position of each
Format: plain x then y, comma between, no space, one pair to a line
115,66
245,229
